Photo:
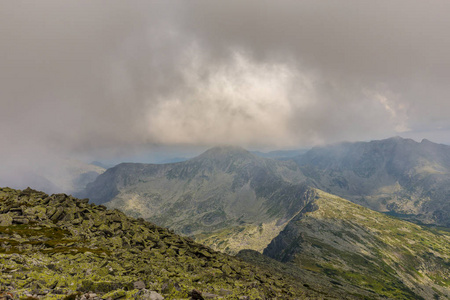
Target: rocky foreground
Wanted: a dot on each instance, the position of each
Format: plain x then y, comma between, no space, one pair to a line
60,247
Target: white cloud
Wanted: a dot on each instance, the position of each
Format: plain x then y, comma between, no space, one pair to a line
237,101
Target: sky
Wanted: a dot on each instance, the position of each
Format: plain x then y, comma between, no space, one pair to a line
136,80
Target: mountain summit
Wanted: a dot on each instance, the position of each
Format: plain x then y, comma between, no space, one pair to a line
224,191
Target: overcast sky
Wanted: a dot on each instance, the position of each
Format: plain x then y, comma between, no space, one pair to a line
104,79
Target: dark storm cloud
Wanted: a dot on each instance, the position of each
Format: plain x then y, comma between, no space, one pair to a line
94,78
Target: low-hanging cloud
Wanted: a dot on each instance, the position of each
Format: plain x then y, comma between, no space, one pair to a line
94,80
272,103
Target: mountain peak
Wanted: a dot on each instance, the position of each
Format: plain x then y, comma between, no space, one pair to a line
397,139
225,152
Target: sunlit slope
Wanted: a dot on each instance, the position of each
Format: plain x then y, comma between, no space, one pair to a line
368,249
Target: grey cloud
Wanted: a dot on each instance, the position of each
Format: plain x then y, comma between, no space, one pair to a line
94,79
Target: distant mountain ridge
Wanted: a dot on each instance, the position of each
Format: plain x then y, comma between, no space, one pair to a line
225,188
395,175
280,154
232,200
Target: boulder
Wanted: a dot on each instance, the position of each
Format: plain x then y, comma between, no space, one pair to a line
139,285
151,295
5,220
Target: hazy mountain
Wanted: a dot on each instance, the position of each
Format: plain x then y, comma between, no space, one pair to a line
280,154
394,175
71,175
60,176
231,199
101,164
350,243
225,188
172,160
23,179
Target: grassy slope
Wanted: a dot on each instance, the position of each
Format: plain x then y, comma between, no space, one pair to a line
346,241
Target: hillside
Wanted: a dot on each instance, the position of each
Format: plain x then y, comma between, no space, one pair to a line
353,244
55,246
226,192
396,175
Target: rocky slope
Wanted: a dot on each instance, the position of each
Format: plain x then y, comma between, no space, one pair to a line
226,193
353,244
57,246
395,175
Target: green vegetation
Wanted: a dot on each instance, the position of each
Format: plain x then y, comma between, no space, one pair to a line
56,246
356,245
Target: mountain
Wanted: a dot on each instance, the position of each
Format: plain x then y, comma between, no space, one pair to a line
353,244
71,175
396,175
281,154
231,199
60,247
101,164
226,192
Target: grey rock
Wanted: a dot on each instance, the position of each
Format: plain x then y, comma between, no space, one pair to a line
210,296
151,295
139,285
5,220
224,292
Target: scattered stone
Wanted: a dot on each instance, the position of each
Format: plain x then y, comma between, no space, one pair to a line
139,285
226,269
66,238
224,292
206,295
5,220
115,295
151,295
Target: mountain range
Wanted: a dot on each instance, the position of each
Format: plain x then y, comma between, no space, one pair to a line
286,219
230,193
292,213
398,176
226,191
